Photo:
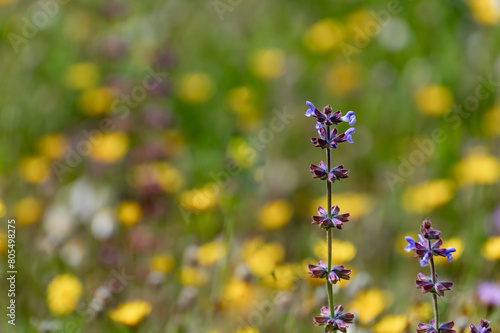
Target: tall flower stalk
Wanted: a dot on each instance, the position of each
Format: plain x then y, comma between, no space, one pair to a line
429,246
333,318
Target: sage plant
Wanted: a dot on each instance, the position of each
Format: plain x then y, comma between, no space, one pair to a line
333,318
429,246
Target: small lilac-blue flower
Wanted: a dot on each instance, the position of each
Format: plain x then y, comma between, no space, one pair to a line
311,109
349,118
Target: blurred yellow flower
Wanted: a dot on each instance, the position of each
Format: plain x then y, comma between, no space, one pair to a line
343,79
53,146
428,196
357,23
434,100
391,324
240,100
162,263
28,211
129,213
96,101
324,36
196,88
130,313
2,208
35,169
109,147
275,215
236,294
491,248
491,120
344,251
477,168
486,12
83,75
3,243
248,329
63,294
283,277
170,179
209,253
261,258
7,2
455,242
193,276
200,199
268,63
420,312
242,153
369,304
356,204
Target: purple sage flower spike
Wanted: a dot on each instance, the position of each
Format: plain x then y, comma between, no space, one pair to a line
431,327
337,322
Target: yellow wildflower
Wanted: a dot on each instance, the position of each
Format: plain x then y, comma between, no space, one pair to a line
343,79
369,304
434,100
192,276
63,294
283,277
35,169
209,253
357,24
455,242
53,146
491,248
200,199
130,313
428,196
421,312
491,120
196,88
109,147
261,258
391,324
242,153
477,168
324,36
275,215
129,213
240,100
162,263
2,208
83,75
27,211
486,12
344,251
96,101
236,294
7,2
268,64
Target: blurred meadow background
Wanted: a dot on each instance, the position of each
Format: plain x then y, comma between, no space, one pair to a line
155,157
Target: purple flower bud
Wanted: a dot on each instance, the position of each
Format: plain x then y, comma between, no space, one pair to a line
319,171
431,327
483,327
337,323
310,111
427,231
337,273
318,271
325,222
425,283
349,118
338,173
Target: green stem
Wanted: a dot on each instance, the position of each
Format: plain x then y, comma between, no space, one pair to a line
434,296
329,286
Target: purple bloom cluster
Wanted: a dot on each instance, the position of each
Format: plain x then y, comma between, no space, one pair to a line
426,250
337,322
332,318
